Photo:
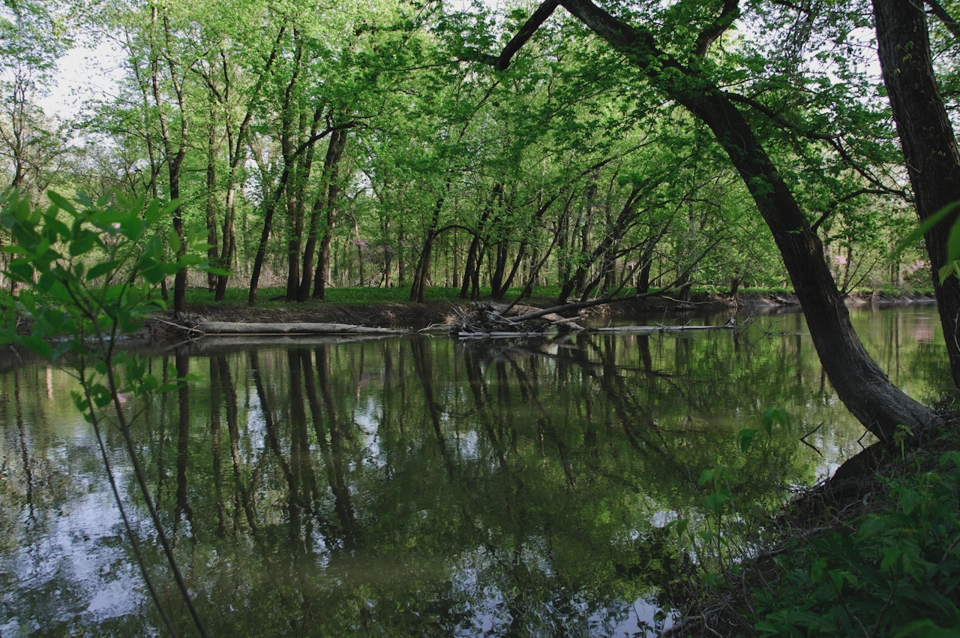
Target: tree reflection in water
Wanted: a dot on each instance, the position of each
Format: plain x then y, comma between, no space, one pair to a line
416,486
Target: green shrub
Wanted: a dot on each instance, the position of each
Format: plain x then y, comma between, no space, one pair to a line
895,573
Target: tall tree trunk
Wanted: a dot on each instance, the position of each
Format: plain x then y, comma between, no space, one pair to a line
296,207
235,149
356,232
470,266
643,277
387,260
517,262
326,202
174,157
270,207
401,259
499,270
928,141
212,253
289,157
421,276
580,277
229,244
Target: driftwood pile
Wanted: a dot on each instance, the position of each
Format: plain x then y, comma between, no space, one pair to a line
488,320
497,320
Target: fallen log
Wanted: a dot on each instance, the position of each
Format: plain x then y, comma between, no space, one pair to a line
236,328
642,330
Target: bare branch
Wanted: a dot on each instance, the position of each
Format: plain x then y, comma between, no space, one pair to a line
941,14
729,13
526,32
833,205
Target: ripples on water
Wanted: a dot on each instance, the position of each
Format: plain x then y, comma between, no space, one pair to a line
417,486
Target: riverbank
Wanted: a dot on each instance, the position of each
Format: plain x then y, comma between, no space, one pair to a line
443,308
872,551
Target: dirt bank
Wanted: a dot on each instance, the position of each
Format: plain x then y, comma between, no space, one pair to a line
391,315
415,316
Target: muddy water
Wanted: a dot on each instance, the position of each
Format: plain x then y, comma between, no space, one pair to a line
416,486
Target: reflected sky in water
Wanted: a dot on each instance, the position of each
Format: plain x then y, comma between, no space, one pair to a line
418,486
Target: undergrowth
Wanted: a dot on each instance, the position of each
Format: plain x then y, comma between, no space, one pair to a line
894,572
886,565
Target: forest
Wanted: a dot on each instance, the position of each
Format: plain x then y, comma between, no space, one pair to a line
367,144
589,150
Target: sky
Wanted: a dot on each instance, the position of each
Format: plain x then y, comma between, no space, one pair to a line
83,73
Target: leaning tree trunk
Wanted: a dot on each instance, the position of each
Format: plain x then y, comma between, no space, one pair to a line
421,277
269,210
859,382
418,292
517,262
497,288
929,145
470,266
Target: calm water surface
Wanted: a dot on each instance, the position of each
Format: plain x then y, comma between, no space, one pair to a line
416,486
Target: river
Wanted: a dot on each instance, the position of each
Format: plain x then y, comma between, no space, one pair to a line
418,486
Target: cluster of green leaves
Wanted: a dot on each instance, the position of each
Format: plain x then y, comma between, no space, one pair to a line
896,574
952,265
88,269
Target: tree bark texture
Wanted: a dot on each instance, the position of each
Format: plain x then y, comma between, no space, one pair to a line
929,145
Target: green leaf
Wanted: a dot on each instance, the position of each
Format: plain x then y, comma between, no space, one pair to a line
745,437
716,501
922,229
953,243
102,268
890,557
706,476
62,203
947,270
174,242
909,501
37,345
82,243
21,271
